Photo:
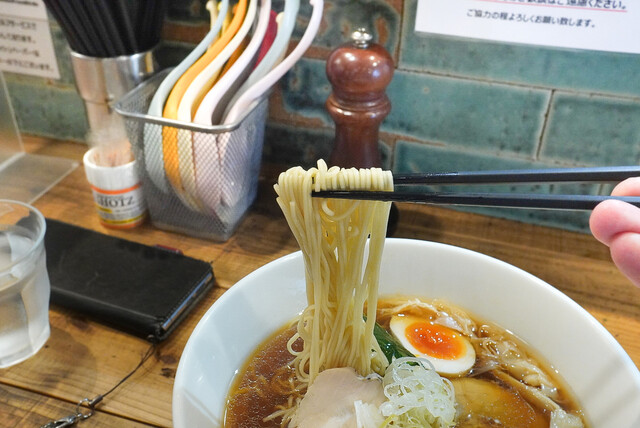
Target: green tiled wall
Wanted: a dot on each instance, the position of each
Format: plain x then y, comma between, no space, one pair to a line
456,103
569,69
588,128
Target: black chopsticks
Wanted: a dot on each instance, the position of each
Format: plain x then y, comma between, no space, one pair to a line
512,200
596,174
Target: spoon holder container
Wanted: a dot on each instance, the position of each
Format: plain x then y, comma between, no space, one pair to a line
226,166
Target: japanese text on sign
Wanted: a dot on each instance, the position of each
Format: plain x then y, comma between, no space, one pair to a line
604,25
25,40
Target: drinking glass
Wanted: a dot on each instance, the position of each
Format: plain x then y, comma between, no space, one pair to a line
24,283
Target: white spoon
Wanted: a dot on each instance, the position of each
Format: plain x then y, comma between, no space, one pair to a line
236,169
203,81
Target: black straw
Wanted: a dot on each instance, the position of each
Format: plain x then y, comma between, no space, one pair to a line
75,10
124,14
76,43
110,28
96,21
145,19
102,9
158,20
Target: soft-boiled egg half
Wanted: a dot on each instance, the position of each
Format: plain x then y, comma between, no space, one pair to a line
448,350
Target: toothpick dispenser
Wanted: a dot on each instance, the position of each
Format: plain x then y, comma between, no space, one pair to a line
359,72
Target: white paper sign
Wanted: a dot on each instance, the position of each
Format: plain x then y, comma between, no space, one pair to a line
603,25
25,39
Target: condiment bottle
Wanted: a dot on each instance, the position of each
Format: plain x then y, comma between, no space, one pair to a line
117,192
359,72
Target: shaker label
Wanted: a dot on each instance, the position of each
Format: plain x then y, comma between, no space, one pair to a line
120,208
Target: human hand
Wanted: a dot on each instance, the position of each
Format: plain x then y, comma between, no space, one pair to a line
617,225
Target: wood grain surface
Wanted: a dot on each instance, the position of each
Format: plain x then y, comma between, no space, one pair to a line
84,358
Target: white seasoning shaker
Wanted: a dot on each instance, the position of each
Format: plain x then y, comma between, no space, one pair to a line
117,192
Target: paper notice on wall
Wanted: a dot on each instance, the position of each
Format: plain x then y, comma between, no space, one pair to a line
25,39
603,25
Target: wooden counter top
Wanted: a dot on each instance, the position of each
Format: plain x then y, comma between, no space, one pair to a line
83,358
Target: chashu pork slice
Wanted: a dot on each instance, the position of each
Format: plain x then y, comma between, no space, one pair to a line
329,401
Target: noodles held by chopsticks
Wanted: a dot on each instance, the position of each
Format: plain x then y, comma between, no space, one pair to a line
341,276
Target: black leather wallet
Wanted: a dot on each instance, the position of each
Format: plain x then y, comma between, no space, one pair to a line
139,289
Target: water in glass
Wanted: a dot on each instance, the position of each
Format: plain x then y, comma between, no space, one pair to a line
24,296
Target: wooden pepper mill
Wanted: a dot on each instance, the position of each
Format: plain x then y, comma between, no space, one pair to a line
359,73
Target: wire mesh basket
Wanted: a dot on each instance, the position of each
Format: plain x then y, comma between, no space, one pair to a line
197,180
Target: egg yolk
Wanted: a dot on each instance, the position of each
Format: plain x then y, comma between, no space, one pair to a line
435,340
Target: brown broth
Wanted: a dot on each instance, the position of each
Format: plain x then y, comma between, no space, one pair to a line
257,390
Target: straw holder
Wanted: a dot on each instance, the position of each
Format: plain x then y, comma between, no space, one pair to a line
235,171
101,82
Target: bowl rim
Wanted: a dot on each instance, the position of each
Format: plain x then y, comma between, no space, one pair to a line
179,382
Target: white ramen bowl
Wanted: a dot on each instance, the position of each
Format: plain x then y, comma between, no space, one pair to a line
602,376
